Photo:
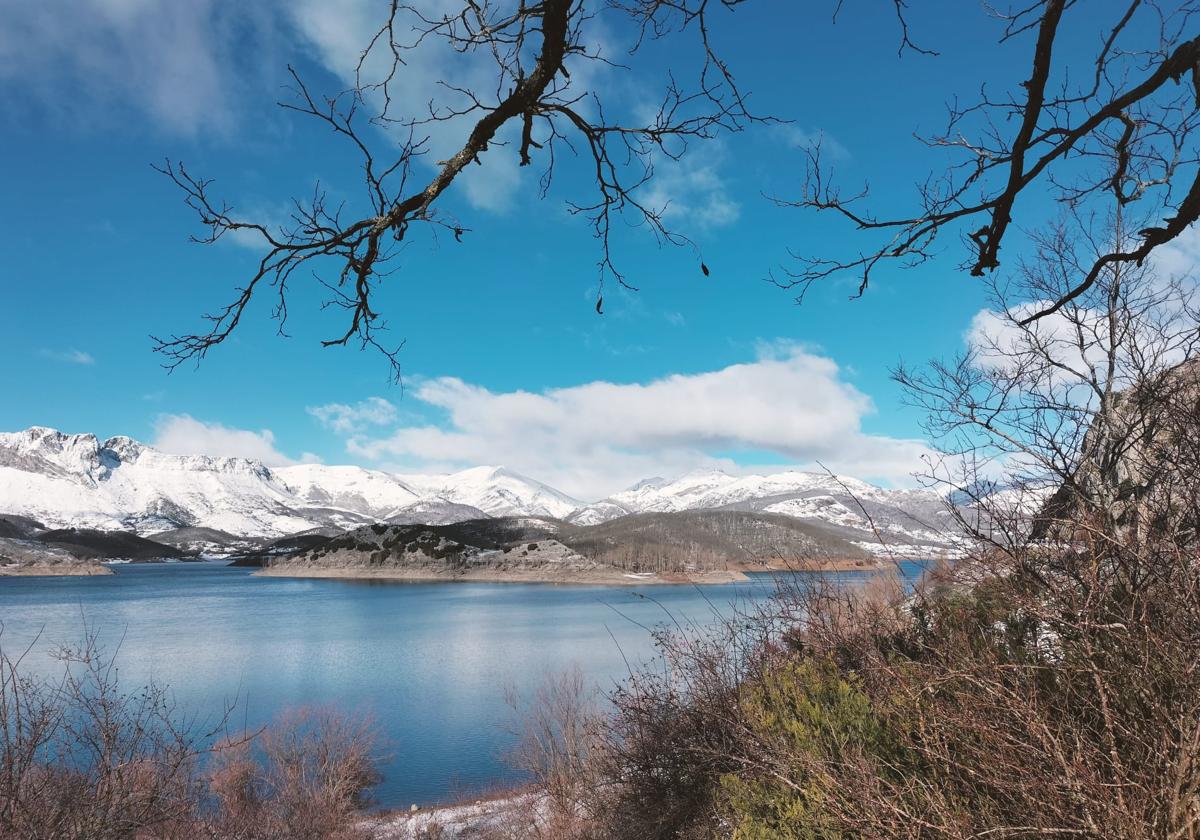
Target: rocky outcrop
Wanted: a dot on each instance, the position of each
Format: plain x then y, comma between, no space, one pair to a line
1139,465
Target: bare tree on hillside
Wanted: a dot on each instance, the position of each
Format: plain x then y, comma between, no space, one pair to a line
1079,404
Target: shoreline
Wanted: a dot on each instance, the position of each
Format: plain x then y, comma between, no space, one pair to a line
576,577
54,570
828,564
462,818
589,577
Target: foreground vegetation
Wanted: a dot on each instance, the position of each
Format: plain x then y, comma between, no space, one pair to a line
1046,694
83,759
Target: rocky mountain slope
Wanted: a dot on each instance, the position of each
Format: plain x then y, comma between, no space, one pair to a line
199,502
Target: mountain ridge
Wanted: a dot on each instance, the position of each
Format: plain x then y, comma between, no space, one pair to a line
79,481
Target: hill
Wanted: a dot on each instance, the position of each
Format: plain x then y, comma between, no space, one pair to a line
703,546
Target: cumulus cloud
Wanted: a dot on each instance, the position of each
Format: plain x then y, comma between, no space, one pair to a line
71,356
593,439
1076,340
1156,320
346,419
182,434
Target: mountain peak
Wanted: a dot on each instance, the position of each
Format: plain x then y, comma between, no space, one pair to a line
46,437
485,471
125,448
704,472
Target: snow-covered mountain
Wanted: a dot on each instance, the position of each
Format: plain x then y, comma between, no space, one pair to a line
67,480
910,517
78,481
497,492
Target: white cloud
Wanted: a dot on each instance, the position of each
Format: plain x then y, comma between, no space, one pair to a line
692,191
1155,320
72,356
801,138
594,439
182,434
1075,338
347,419
1179,258
180,64
336,34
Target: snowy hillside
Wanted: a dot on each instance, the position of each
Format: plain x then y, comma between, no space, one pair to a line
78,481
916,517
497,492
66,480
372,493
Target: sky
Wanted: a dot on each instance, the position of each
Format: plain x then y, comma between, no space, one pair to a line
505,359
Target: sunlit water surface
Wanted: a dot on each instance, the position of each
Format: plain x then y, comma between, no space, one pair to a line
429,662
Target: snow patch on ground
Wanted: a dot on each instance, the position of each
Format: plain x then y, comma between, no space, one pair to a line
460,821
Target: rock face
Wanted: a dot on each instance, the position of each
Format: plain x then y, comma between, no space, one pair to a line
1138,465
211,504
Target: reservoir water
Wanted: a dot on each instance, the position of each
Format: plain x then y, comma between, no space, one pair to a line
429,662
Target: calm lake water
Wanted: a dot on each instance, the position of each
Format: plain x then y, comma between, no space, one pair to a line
428,661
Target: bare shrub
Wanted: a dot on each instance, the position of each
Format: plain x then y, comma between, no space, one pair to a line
558,730
83,759
1053,693
1045,685
678,728
306,777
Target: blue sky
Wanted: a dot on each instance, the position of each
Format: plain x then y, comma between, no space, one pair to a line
501,329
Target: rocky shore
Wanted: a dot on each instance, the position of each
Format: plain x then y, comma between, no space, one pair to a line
52,569
29,558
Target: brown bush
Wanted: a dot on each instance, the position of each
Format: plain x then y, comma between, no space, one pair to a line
1048,693
557,733
81,759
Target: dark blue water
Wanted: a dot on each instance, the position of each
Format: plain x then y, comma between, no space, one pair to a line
430,662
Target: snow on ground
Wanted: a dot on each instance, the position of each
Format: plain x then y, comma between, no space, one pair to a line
458,822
